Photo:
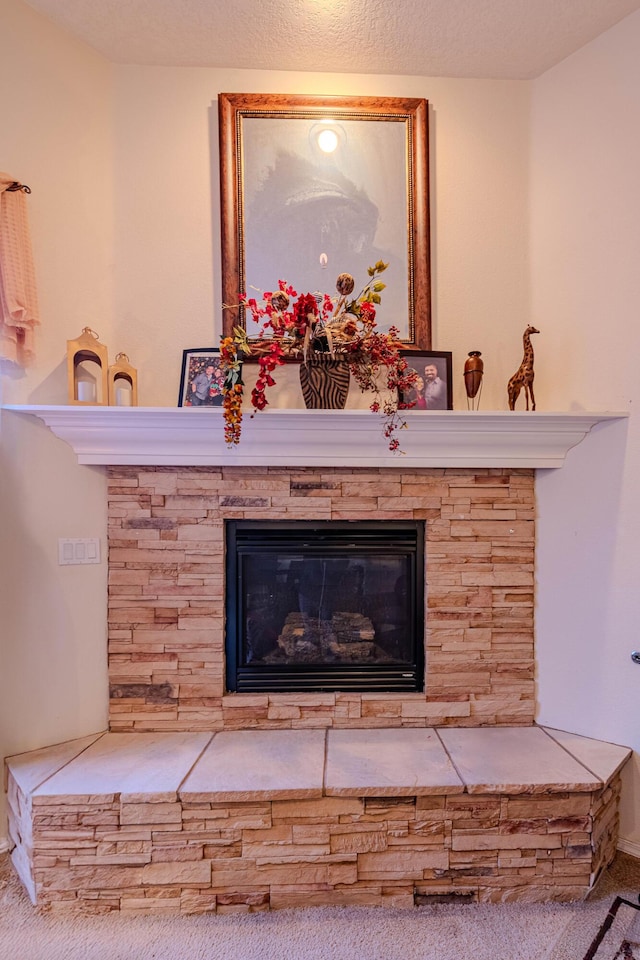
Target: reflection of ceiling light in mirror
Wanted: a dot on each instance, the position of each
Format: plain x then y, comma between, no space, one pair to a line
327,141
327,138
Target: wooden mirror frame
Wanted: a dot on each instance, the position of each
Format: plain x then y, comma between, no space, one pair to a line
234,107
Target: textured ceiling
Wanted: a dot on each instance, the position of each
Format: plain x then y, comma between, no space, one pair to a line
516,39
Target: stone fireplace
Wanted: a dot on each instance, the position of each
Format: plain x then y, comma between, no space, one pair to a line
167,593
204,798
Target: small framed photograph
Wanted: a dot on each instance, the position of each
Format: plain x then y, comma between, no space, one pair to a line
433,388
202,378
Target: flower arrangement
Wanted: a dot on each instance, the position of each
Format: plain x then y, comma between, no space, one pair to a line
304,325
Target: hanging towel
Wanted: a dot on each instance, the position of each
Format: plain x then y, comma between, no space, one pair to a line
18,296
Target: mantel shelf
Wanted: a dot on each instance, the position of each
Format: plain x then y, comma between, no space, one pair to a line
166,436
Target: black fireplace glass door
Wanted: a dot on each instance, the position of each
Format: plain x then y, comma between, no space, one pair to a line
324,606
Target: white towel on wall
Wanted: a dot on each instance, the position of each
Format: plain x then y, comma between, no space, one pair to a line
18,295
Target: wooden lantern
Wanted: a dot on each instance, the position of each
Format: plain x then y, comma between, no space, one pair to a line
87,363
123,383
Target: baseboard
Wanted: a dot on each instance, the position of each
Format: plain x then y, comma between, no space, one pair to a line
4,845
628,846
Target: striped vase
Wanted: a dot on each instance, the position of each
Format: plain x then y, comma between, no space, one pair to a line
324,381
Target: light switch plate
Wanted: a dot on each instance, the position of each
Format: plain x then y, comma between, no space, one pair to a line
78,550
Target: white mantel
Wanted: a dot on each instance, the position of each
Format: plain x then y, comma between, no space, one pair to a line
166,436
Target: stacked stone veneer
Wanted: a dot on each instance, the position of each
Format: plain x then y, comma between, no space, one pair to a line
100,853
181,851
166,590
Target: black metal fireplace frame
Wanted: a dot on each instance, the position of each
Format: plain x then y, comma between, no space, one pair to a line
404,537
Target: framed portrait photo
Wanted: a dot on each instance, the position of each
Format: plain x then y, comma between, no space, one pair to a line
202,378
433,388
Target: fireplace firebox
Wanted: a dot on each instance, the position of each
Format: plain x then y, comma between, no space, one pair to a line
324,605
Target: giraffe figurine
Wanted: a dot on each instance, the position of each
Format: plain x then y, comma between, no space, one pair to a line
523,377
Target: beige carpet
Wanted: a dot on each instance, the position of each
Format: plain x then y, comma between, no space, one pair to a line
446,932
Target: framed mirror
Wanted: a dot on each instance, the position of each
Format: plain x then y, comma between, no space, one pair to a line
312,187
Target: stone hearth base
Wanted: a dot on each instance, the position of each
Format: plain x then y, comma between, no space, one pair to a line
255,820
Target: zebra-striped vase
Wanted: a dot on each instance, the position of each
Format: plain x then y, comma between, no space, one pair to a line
324,381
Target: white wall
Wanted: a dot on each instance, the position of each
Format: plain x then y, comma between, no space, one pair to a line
53,644
585,237
167,294
55,136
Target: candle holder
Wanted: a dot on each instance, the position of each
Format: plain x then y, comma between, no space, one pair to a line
87,369
473,373
123,383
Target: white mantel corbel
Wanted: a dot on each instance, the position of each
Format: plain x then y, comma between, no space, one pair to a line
166,436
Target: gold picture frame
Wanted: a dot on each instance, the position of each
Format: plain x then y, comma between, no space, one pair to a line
290,211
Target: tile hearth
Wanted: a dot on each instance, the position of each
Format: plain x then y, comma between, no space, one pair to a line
247,820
